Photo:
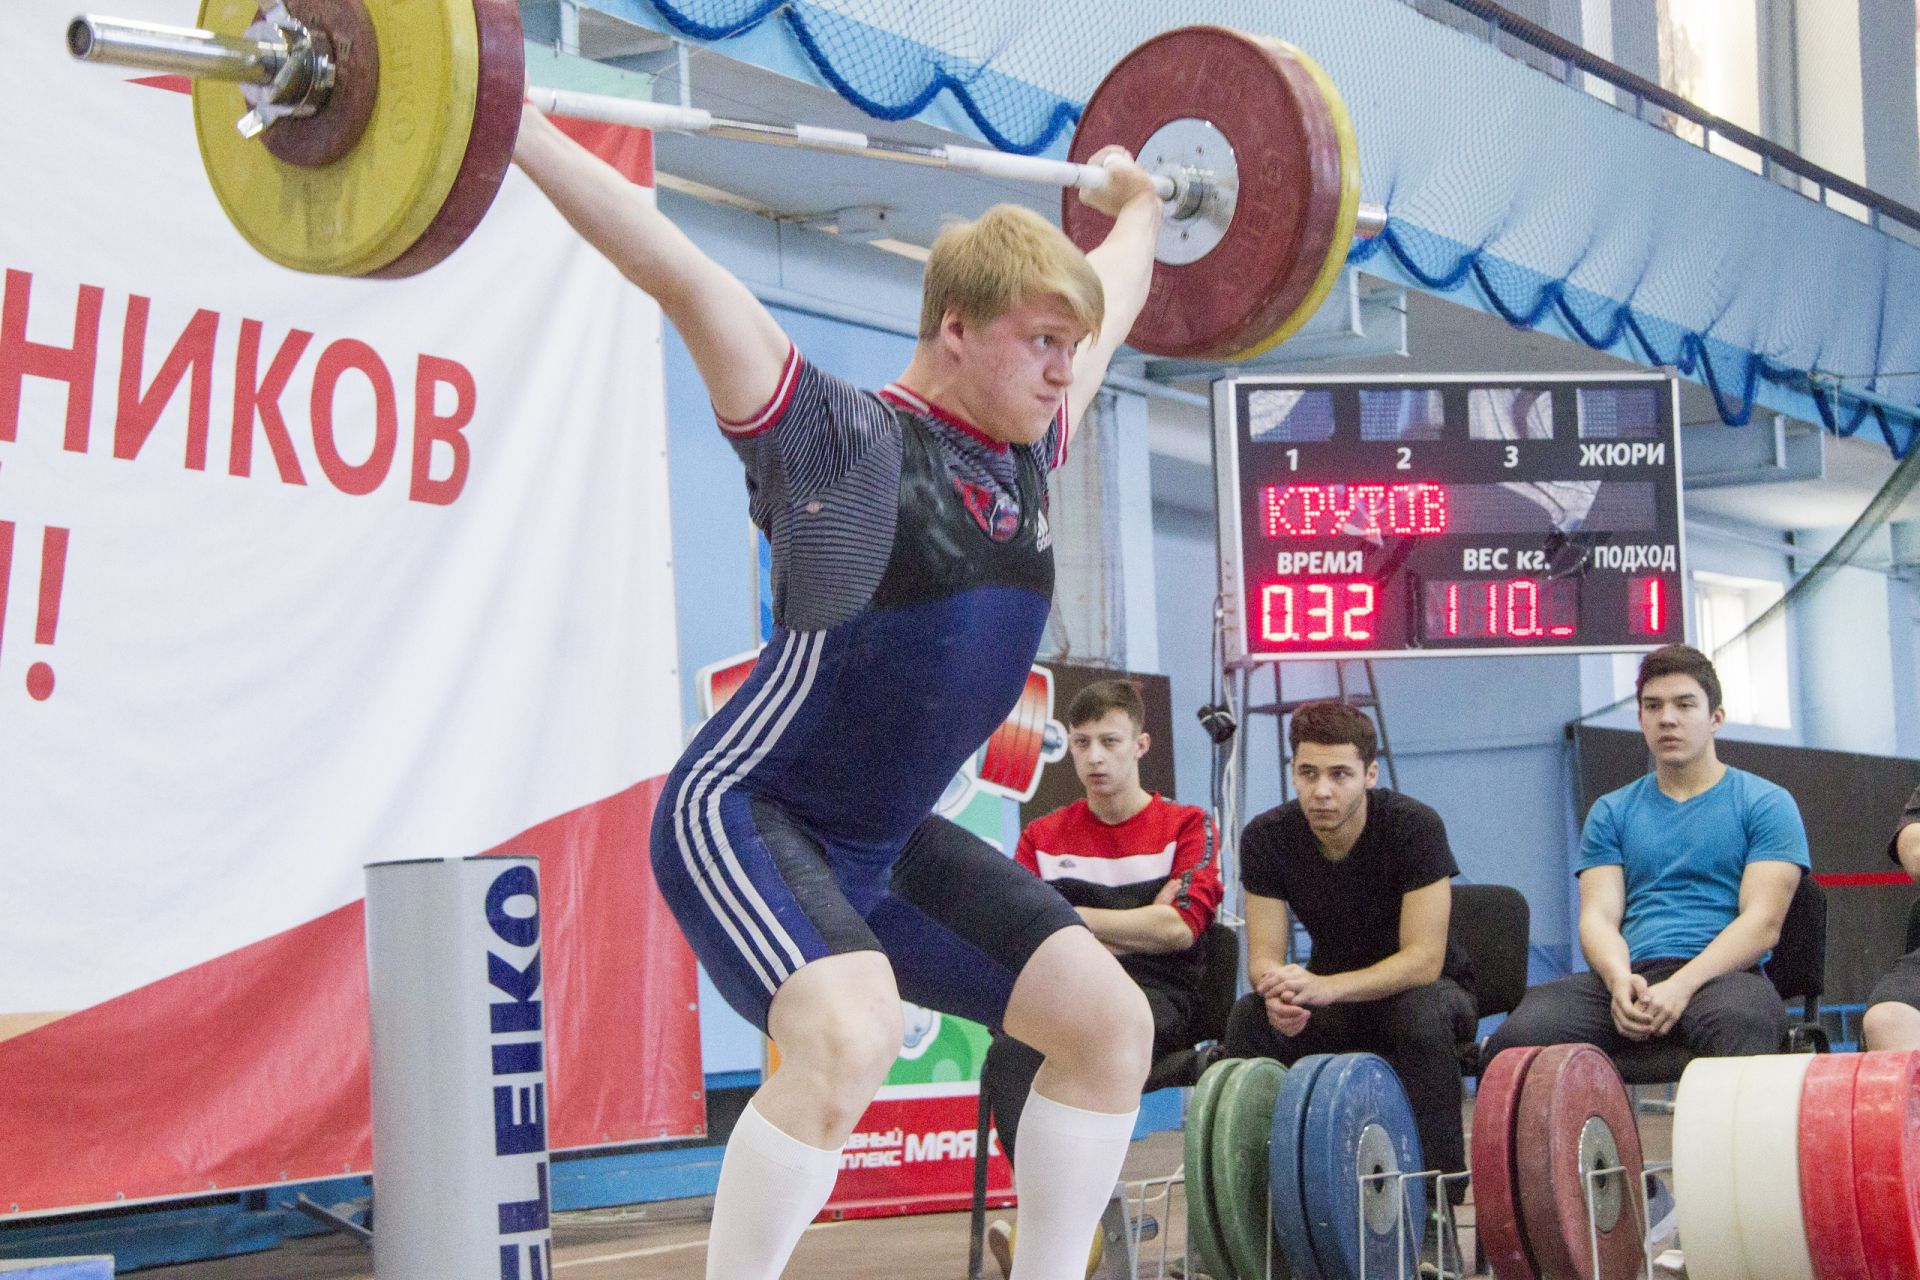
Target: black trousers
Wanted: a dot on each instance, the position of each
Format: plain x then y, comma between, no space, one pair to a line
1416,1031
1730,1016
1010,1066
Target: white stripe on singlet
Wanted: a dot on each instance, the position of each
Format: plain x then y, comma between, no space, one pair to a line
705,851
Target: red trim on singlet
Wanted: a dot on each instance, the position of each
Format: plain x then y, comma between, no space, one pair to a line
770,412
894,393
1060,437
1859,879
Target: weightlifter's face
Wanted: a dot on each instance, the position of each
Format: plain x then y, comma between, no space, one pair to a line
1018,366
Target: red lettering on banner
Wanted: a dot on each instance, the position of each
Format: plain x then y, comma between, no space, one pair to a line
53,576
445,395
74,365
430,426
259,398
138,411
335,360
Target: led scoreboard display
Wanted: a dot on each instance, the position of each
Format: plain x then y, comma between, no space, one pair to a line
1447,515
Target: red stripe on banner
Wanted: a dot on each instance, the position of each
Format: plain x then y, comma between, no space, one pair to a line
1857,879
626,148
251,1069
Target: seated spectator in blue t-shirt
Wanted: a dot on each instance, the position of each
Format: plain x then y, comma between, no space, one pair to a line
1685,879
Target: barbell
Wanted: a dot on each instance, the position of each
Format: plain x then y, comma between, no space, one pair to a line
368,138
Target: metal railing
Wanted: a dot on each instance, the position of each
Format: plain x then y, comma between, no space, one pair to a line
1774,157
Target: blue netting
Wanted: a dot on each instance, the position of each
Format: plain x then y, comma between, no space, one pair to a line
1503,186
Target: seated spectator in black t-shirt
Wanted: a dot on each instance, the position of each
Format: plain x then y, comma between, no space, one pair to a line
1367,871
1893,1007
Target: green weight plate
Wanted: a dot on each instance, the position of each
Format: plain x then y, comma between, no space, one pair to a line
1242,1122
1204,1247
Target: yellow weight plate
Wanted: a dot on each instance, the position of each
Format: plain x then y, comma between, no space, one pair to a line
365,209
1342,242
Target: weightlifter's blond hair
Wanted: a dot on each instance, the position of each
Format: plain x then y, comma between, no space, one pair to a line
1008,255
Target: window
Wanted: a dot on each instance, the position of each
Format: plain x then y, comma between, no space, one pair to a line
1752,667
1710,55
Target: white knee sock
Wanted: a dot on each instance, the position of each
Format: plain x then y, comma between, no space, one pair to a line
771,1186
1069,1162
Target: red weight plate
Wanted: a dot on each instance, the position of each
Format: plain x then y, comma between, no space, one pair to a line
1886,1163
1287,156
1013,752
1571,1099
1496,1204
1827,1171
330,132
496,123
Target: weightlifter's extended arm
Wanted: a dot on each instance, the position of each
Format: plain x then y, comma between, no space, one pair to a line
738,348
1124,263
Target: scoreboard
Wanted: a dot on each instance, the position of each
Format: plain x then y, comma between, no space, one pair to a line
1418,516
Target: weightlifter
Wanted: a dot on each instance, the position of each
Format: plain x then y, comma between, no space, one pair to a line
912,580
1368,872
1685,879
1892,1019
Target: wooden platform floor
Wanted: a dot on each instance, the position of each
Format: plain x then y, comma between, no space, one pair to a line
667,1240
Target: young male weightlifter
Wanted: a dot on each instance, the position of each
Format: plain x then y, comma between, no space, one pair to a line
912,581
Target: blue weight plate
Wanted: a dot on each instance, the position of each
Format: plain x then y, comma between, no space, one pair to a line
1359,1123
1283,1167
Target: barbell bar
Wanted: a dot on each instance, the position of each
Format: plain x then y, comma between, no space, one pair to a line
308,73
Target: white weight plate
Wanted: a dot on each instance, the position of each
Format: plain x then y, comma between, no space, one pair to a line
1766,1162
1706,1113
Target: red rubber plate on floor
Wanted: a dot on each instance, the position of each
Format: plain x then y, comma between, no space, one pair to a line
1286,149
1886,1163
1826,1168
1575,1117
1496,1209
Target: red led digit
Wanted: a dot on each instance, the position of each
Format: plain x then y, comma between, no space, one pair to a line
1646,606
1285,631
1361,609
1523,608
1323,610
1453,608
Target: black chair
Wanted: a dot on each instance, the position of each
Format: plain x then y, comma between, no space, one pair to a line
1798,970
1180,1069
1493,924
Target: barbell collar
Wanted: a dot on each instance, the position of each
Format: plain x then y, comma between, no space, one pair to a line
189,51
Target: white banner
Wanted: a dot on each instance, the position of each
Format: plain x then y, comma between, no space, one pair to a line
296,573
